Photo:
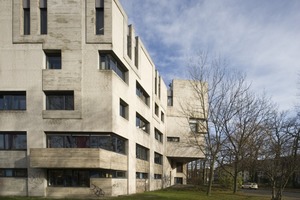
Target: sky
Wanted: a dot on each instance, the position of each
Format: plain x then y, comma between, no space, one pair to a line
259,37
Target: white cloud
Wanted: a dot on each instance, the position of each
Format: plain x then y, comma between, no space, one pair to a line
259,37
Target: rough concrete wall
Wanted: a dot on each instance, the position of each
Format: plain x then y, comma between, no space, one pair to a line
13,159
13,186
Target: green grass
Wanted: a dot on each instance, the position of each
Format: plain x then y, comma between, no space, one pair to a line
168,194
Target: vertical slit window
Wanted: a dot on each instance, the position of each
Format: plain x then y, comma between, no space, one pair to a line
136,53
26,17
129,41
99,17
43,15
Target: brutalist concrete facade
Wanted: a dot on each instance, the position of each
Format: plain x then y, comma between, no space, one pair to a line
83,111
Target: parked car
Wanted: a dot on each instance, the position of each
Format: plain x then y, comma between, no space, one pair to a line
250,186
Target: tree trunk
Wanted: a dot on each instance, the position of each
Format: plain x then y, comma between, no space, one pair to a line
210,177
235,178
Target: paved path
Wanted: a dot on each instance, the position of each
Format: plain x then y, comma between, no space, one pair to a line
287,195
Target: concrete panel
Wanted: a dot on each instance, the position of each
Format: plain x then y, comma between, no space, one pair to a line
76,158
13,186
13,159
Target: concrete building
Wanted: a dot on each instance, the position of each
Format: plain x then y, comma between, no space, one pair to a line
83,111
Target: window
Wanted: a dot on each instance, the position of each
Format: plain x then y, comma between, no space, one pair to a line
123,109
53,60
26,17
158,158
43,16
141,152
60,100
107,173
173,139
108,62
162,116
110,142
157,176
12,100
158,135
142,123
141,175
13,172
136,53
140,92
13,141
179,167
156,109
170,95
129,41
68,178
197,125
99,17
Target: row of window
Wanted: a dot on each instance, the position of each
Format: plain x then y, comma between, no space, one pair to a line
73,177
13,141
99,15
79,177
109,141
43,17
143,154
58,100
13,172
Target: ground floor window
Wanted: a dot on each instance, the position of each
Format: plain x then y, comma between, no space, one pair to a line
79,177
13,172
68,178
141,175
157,176
178,180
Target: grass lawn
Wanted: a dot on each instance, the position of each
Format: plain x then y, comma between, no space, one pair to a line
169,194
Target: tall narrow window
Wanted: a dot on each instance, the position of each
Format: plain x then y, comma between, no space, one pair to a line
99,17
43,15
136,53
129,41
26,17
123,109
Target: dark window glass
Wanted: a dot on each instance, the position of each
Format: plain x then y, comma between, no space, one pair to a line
162,116
156,111
68,178
13,172
157,176
53,60
108,142
12,100
158,158
26,21
43,20
141,152
158,135
173,139
140,92
123,109
60,100
179,167
13,141
141,175
108,62
99,21
142,124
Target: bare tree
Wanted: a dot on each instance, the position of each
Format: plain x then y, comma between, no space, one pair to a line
217,89
281,152
244,131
